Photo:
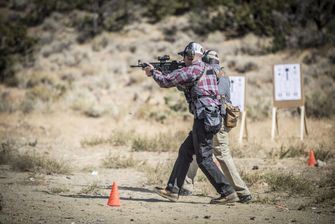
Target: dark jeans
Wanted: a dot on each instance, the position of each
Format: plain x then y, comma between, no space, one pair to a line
200,143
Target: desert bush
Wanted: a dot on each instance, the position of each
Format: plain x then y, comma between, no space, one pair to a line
28,105
7,150
94,111
162,142
57,190
288,183
324,152
176,104
1,202
89,168
43,87
290,24
157,175
6,104
14,45
327,184
118,162
117,138
90,189
251,178
249,66
259,109
31,161
318,104
293,151
157,10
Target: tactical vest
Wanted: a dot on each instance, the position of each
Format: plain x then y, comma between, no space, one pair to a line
203,92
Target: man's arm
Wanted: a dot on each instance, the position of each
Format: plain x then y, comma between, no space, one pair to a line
179,76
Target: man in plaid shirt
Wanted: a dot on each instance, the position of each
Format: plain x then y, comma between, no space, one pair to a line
199,83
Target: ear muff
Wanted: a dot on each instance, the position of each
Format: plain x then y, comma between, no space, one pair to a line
209,59
205,58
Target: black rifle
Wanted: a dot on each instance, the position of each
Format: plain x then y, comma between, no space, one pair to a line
164,64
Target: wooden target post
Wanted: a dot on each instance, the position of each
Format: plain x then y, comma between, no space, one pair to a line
288,92
237,97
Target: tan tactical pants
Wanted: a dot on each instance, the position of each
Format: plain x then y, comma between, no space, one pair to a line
222,154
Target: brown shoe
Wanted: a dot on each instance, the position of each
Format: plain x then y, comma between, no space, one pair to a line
166,194
230,198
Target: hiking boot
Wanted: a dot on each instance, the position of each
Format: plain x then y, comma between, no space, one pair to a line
166,194
185,192
230,198
245,198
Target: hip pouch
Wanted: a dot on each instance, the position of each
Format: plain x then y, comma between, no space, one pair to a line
212,121
232,115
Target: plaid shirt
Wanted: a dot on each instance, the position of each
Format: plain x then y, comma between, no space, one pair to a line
186,77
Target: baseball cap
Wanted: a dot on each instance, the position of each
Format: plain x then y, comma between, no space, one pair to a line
192,47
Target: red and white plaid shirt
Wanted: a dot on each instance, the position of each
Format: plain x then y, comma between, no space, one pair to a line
206,83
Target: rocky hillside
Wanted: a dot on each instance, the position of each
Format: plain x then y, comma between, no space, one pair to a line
68,71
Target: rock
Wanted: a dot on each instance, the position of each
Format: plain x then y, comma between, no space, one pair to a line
255,167
320,163
207,217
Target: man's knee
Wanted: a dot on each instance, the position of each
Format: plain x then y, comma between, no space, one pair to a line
204,161
186,154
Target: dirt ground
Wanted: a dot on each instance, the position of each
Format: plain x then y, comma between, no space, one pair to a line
30,197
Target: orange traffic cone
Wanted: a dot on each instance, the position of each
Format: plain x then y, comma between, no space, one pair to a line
311,159
114,199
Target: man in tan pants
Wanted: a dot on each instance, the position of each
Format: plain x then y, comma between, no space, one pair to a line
221,145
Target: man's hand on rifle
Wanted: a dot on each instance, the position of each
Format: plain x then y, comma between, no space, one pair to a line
148,69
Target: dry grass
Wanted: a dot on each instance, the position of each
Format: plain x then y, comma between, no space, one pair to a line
162,142
159,174
92,188
1,202
117,138
295,150
324,152
250,178
118,162
34,162
7,149
30,161
288,183
58,190
89,169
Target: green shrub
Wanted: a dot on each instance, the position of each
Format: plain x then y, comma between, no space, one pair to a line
319,104
157,10
14,44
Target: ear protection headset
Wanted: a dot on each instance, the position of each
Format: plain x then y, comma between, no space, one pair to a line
207,59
